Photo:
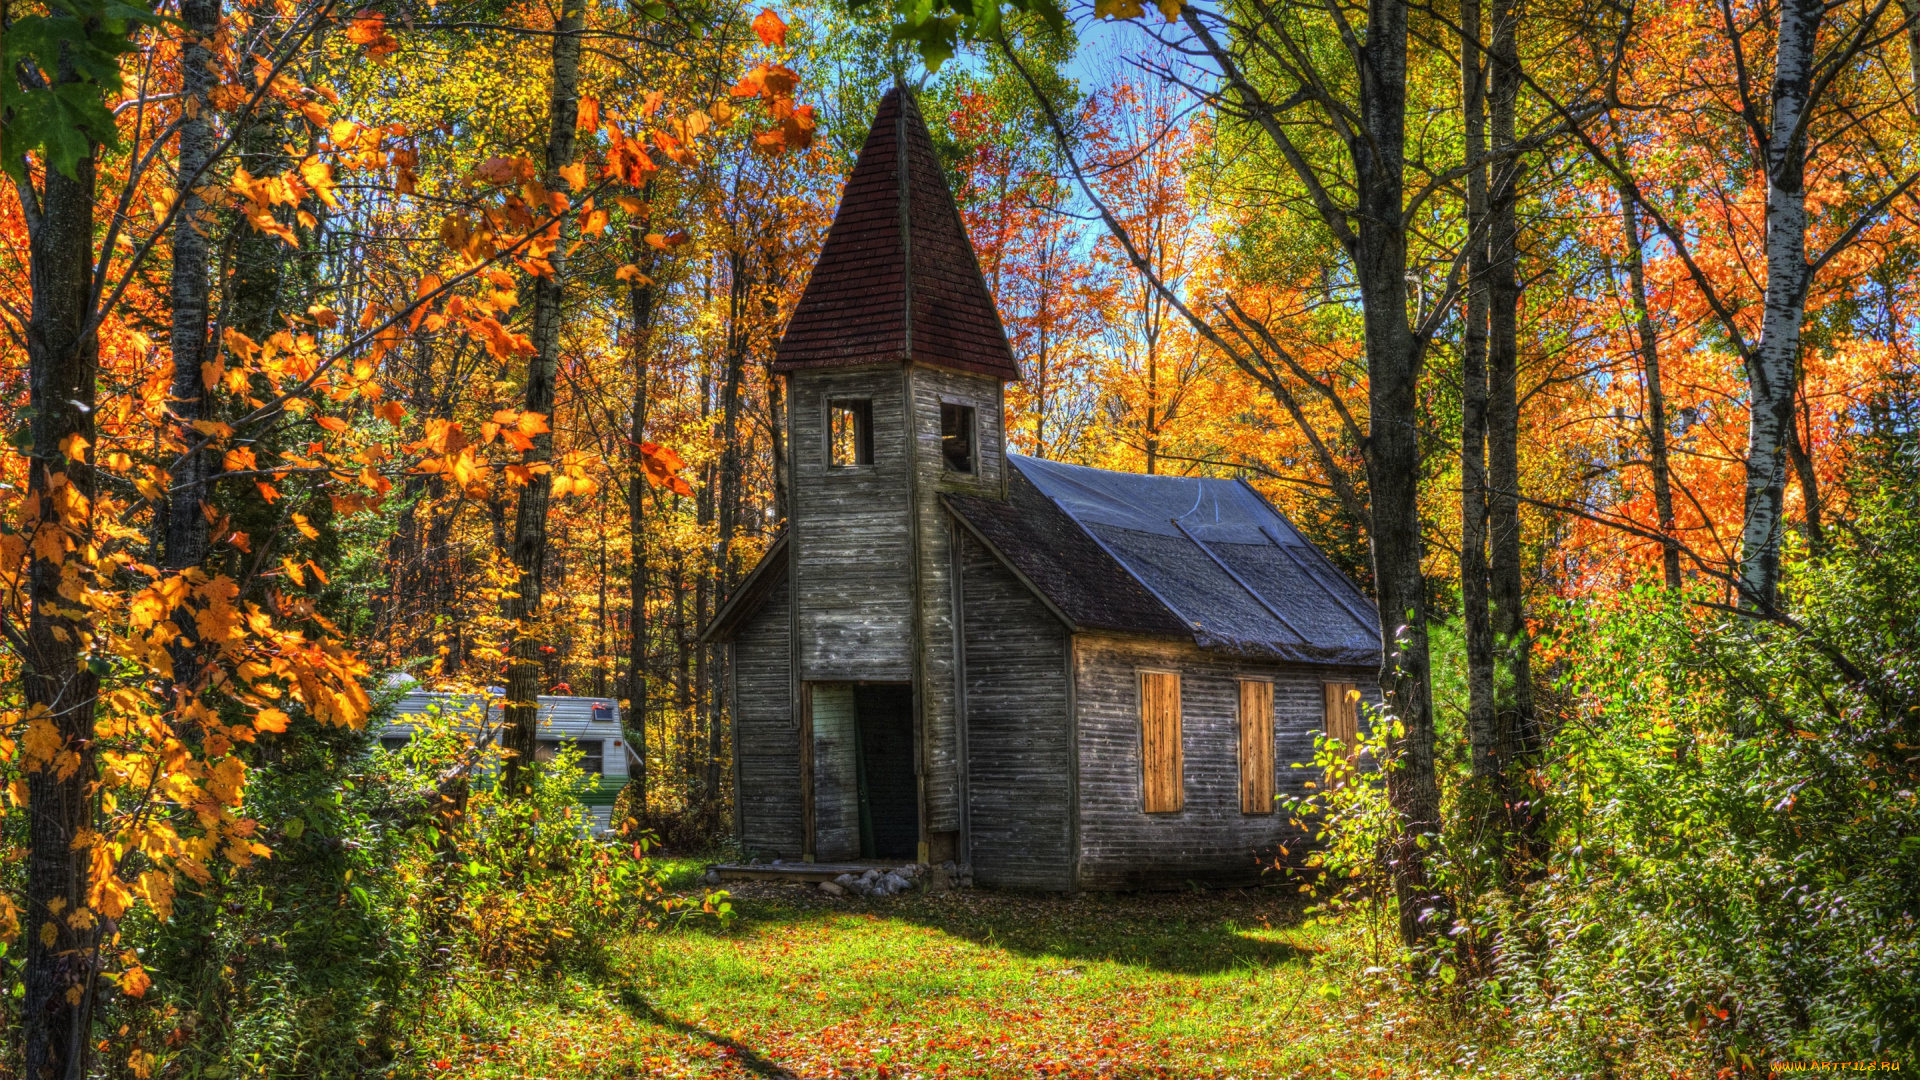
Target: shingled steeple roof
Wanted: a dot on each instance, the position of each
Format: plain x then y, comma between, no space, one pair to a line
897,278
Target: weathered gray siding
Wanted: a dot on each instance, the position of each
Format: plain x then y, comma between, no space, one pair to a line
1018,734
836,790
1209,839
931,387
867,540
767,732
851,557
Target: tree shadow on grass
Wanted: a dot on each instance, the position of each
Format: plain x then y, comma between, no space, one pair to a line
1177,933
737,1052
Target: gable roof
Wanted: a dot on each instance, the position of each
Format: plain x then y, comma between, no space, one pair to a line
1217,561
1062,564
750,593
897,278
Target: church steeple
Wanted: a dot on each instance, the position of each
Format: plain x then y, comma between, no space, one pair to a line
897,278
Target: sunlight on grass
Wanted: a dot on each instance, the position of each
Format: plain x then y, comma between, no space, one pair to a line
978,984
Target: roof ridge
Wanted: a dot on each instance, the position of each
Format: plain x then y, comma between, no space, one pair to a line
904,171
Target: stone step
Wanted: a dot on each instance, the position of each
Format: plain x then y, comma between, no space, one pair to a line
799,871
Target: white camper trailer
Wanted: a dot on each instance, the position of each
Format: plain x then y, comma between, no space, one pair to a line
591,723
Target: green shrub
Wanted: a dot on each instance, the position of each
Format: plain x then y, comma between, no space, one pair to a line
1737,846
394,876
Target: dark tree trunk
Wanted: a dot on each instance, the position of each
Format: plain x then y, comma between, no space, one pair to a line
253,298
60,686
602,654
1514,712
728,511
1394,356
1655,389
1800,449
185,536
777,417
523,605
405,615
1476,621
776,392
641,300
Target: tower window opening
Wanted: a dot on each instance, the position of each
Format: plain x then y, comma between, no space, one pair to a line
849,433
956,436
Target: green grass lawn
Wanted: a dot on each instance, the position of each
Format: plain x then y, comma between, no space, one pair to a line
978,984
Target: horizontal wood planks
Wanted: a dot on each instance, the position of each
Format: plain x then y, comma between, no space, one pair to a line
850,544
1018,764
1210,839
766,736
938,706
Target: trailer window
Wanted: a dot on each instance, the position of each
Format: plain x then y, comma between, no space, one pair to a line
592,753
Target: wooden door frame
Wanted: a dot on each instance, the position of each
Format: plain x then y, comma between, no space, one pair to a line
806,771
807,761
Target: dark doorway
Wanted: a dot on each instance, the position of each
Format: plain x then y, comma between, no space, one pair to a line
889,794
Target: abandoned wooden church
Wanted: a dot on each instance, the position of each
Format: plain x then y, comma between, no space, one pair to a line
1067,677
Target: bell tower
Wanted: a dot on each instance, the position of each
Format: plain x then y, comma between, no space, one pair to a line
896,365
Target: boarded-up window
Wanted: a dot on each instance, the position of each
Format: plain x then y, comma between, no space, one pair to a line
1161,789
1256,747
1343,716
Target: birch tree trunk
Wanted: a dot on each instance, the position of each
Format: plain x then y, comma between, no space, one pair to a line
523,604
1772,365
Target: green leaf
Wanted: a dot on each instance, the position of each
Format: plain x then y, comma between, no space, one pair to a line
63,67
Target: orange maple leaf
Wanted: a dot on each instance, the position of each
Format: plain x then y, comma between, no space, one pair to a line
771,31
370,29
662,467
